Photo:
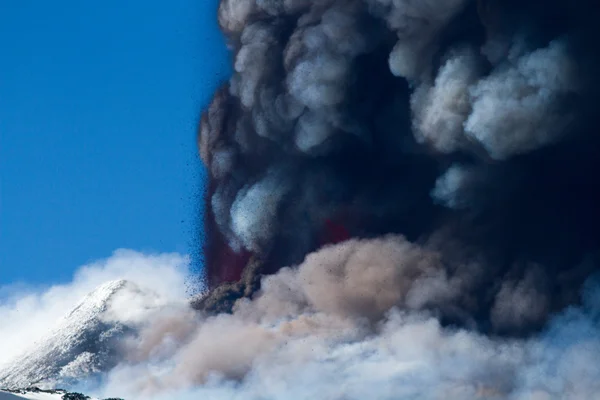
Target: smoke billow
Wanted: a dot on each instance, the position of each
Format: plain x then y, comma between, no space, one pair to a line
402,203
467,127
349,323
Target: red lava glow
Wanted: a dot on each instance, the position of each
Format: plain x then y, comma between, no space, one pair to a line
229,264
224,264
334,232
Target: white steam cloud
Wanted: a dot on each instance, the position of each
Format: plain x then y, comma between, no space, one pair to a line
440,110
417,24
514,110
254,211
345,324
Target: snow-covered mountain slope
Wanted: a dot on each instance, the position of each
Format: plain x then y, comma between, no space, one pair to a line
33,395
85,342
38,394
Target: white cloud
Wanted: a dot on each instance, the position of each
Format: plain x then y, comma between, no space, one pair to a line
302,338
288,344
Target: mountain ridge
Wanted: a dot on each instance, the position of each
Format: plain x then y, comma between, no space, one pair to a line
81,346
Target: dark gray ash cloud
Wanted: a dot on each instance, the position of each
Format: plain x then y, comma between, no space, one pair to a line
470,124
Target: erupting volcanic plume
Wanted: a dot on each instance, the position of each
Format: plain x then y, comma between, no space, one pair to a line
402,204
468,128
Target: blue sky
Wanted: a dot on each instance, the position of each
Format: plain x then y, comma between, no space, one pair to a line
99,103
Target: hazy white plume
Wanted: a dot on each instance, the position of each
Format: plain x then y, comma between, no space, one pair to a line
254,211
516,108
305,336
450,188
417,24
344,324
440,110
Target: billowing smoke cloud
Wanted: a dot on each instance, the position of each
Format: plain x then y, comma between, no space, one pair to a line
355,320
349,323
518,108
467,127
402,203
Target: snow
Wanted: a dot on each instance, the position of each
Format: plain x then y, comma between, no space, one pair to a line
85,342
9,396
30,396
79,331
82,345
34,395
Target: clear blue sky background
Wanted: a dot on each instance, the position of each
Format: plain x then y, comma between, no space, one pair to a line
99,103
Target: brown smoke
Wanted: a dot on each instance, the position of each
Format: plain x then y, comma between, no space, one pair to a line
350,322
